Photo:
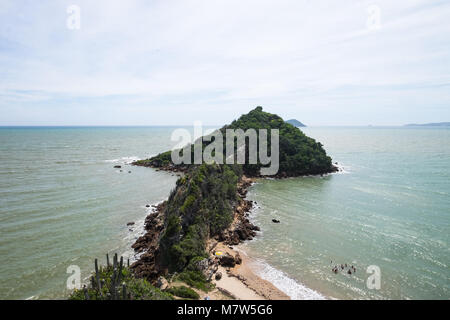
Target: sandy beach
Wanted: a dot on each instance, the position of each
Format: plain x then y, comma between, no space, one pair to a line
241,282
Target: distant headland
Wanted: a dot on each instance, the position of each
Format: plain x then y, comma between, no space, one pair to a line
435,124
295,123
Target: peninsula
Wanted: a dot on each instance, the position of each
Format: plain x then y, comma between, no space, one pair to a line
189,238
208,210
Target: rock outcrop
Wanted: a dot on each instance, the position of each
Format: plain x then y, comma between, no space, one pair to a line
148,244
208,267
241,229
227,260
162,283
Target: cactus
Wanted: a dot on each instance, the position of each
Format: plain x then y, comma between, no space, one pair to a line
86,294
97,276
120,269
116,287
124,291
115,261
116,283
96,269
112,289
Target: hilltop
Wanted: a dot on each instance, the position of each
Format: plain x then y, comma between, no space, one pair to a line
298,154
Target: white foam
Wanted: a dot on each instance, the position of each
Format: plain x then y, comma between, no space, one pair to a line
138,231
124,160
341,169
295,290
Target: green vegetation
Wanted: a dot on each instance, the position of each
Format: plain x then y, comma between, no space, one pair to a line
117,282
200,207
184,292
195,279
299,155
160,160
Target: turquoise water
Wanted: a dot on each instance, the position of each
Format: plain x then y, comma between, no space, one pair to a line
62,203
390,208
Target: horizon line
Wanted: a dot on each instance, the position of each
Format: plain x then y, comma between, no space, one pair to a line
190,125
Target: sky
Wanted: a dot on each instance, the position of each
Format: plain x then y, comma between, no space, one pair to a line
176,62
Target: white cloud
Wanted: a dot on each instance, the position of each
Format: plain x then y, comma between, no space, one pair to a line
217,59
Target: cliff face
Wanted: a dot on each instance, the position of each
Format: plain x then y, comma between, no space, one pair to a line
209,202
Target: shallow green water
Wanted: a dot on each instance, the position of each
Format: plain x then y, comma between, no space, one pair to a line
390,208
62,203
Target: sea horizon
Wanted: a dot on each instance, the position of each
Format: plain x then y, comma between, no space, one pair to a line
405,126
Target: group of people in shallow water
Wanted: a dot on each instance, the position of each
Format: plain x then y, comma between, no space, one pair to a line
337,268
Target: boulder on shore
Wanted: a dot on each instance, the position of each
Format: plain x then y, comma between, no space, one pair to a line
162,283
227,260
238,258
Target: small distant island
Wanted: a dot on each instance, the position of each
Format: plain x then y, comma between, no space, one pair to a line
296,123
435,124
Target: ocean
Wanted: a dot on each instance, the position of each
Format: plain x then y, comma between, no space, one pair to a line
62,203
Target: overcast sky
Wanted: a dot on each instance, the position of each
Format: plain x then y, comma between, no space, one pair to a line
173,62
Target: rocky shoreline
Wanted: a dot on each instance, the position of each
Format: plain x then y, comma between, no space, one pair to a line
229,271
208,192
147,246
158,166
226,268
241,228
180,169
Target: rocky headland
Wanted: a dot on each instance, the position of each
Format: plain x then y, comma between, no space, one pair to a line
192,236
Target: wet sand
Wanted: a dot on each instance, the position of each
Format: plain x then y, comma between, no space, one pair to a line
242,282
